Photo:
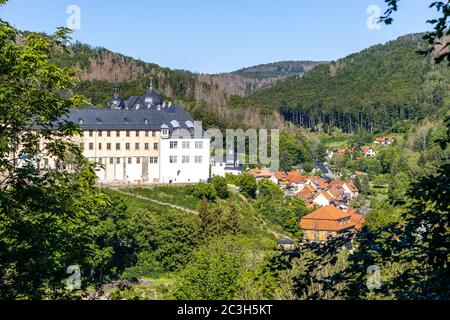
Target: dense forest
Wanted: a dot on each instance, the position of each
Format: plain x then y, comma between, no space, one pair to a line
279,69
372,89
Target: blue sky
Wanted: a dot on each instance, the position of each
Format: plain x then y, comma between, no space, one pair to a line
212,36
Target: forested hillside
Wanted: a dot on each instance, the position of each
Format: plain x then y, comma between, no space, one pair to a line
209,94
372,89
278,69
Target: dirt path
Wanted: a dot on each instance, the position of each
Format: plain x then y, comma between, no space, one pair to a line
156,201
232,187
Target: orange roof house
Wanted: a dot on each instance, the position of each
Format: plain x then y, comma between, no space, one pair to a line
384,140
294,177
340,152
323,198
348,186
307,194
368,151
320,182
356,219
260,173
327,222
280,175
336,191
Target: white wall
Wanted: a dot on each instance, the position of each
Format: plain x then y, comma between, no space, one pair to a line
180,172
321,200
218,169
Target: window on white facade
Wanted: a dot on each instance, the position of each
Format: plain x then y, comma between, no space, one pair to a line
111,160
153,160
186,144
118,161
198,159
138,160
173,144
129,160
198,144
136,146
173,159
146,146
186,159
155,146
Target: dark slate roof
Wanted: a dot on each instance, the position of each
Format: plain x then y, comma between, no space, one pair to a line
323,167
153,97
144,119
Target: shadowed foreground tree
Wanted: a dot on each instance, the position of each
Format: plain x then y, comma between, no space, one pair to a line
47,218
438,39
411,254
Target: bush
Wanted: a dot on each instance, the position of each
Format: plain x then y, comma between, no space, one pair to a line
221,187
205,191
247,184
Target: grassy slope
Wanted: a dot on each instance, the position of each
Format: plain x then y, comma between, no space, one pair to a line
258,237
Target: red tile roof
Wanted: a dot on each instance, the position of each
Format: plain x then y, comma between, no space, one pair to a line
327,219
280,175
321,182
340,183
327,196
294,177
356,219
260,173
365,149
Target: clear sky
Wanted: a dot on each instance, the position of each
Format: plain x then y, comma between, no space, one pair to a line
212,36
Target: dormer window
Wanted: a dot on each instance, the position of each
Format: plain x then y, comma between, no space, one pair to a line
99,121
127,121
80,121
146,121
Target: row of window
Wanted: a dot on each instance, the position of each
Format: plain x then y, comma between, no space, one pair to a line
186,159
138,160
127,133
186,144
137,146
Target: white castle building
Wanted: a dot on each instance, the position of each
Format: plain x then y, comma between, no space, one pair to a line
142,140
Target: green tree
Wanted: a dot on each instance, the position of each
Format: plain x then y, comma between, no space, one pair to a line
212,274
205,191
177,236
47,219
247,185
220,184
